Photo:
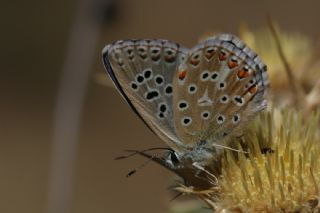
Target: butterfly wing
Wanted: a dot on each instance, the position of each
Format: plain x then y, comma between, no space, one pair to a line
220,85
143,70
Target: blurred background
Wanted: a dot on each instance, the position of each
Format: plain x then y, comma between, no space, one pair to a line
62,123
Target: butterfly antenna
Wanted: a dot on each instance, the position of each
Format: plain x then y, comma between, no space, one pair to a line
140,167
126,156
135,152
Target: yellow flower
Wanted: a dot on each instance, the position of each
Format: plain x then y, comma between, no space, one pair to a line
277,171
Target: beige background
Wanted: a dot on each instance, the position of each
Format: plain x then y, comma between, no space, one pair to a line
34,39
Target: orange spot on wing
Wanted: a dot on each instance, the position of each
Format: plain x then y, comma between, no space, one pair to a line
243,74
232,64
253,89
182,74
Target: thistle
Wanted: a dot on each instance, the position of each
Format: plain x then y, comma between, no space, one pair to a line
276,171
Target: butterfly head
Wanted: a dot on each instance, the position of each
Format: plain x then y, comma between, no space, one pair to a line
195,167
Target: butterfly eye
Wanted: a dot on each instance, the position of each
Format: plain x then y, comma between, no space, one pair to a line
174,158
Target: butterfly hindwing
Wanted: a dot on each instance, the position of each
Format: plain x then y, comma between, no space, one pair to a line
220,85
143,71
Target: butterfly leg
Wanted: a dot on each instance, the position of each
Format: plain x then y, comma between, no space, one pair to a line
197,175
213,179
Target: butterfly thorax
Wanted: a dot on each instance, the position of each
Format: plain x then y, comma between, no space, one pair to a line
202,153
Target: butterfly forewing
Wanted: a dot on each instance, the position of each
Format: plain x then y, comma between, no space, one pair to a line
218,87
143,71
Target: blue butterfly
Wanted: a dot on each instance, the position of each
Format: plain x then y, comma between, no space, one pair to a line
192,99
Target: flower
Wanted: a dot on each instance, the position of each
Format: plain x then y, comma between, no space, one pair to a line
276,169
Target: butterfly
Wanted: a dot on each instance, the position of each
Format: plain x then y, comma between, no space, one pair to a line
191,98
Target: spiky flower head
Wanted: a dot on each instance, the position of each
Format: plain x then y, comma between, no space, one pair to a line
276,169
